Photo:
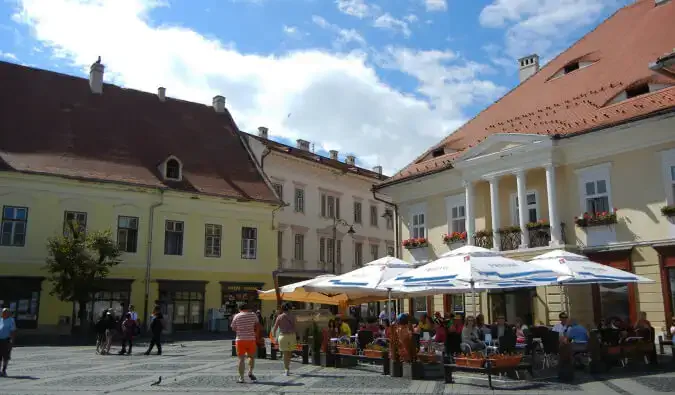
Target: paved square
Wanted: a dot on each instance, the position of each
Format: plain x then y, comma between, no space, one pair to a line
208,368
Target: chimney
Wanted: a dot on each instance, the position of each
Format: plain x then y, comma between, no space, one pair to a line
161,93
378,169
529,66
219,103
333,154
302,144
350,160
262,132
96,77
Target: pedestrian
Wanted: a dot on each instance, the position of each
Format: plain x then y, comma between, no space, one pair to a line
100,327
110,325
245,324
7,333
128,332
156,328
134,317
285,323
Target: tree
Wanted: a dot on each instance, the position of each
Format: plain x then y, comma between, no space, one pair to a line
77,262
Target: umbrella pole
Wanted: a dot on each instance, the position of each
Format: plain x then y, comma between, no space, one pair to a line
473,299
563,303
389,304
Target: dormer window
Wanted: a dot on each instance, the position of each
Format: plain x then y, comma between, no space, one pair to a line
173,169
571,67
637,90
438,152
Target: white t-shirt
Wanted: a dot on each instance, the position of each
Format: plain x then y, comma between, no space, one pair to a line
134,315
560,328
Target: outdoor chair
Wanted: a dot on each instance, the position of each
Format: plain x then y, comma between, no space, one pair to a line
551,344
507,342
363,338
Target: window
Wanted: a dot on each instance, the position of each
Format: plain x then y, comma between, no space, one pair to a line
14,221
417,223
326,251
127,233
78,219
373,216
330,250
357,213
391,251
249,242
299,200
455,207
374,252
173,238
532,208
330,206
279,189
668,160
173,169
637,90
280,244
213,237
571,67
389,218
322,250
299,249
358,254
594,189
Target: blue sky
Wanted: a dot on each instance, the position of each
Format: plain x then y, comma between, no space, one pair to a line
380,79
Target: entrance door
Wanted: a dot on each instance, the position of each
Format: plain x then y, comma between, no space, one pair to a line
512,304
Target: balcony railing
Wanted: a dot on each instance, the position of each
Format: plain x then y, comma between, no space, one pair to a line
510,240
483,240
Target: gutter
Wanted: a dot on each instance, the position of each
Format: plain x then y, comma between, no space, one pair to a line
665,65
397,244
148,259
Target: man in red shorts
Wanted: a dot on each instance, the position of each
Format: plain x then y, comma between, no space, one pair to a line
245,324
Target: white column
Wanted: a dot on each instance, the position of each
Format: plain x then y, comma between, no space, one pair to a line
522,205
468,212
556,231
494,204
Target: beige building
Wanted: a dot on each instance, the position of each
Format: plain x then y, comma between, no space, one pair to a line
587,143
325,198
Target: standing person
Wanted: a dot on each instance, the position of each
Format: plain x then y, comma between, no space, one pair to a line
109,332
156,328
128,331
7,333
100,328
245,323
285,322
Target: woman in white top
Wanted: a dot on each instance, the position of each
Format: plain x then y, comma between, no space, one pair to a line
471,336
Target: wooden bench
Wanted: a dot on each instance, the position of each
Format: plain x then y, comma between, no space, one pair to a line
386,366
663,342
450,368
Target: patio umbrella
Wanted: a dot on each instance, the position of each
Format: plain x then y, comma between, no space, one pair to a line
581,270
297,292
364,282
479,268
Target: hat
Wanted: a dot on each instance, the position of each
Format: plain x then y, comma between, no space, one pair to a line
5,310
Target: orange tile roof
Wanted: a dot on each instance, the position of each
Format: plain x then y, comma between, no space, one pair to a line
622,47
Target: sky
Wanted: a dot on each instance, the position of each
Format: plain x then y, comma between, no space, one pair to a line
383,80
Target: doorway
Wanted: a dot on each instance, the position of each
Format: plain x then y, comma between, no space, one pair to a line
512,304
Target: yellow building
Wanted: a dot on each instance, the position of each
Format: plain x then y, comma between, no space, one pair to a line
587,143
173,180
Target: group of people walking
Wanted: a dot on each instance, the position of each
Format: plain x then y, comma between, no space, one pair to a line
126,328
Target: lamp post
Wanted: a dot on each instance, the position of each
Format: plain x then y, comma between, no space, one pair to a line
350,231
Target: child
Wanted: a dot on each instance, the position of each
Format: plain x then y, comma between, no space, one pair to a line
100,327
128,332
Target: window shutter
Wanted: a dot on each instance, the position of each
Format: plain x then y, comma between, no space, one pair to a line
337,207
323,205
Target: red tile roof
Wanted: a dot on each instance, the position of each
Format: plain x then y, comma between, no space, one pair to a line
316,158
52,124
622,47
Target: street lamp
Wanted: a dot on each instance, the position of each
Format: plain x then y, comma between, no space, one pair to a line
350,231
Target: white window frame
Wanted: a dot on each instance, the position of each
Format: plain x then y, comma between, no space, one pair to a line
299,246
14,222
515,220
249,247
180,169
124,234
299,200
373,214
594,174
416,210
325,207
214,233
668,161
174,228
451,202
358,254
358,219
77,215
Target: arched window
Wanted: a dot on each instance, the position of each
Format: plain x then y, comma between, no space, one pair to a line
173,169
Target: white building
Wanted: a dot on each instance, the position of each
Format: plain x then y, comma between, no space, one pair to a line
325,197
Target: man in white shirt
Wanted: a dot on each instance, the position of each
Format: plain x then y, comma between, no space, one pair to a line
562,326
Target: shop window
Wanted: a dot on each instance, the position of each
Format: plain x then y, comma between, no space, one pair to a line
101,301
173,238
614,302
185,309
127,233
236,295
14,222
23,305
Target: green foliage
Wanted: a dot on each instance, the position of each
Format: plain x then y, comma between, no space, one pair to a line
78,260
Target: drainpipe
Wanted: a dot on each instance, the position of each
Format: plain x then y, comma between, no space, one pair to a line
148,259
397,245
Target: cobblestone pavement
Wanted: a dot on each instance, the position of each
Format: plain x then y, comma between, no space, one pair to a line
208,368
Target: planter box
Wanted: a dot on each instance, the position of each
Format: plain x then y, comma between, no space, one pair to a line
470,362
396,369
346,351
453,245
373,353
420,255
427,358
508,362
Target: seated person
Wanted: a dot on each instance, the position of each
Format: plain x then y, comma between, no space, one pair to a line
672,328
344,330
562,326
521,330
499,328
425,324
577,336
471,336
642,322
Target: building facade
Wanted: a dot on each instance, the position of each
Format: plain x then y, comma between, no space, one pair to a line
587,143
173,180
324,198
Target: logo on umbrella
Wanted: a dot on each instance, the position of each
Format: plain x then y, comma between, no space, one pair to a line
562,261
467,258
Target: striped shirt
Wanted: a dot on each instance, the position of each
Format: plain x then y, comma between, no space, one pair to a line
244,324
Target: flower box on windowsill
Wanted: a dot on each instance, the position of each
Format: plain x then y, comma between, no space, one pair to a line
411,244
510,230
454,239
599,219
668,211
541,224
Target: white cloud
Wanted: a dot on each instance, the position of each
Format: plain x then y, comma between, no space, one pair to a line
538,26
9,56
412,18
344,36
335,100
386,21
356,8
436,5
292,31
